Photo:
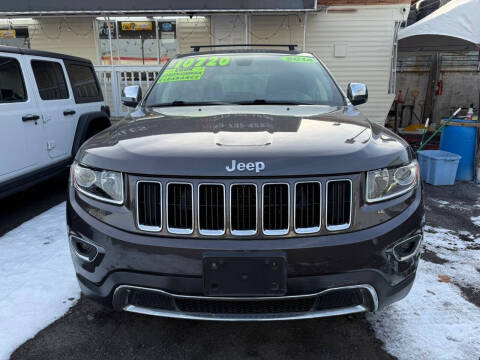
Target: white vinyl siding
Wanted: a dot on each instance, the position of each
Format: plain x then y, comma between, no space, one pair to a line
195,31
228,29
277,29
367,34
72,36
364,32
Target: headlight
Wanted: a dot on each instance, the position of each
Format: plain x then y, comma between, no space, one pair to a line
387,183
102,185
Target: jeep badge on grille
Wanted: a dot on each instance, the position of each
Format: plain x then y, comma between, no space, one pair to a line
256,166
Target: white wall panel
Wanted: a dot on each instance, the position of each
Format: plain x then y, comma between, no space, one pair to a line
365,33
72,36
195,31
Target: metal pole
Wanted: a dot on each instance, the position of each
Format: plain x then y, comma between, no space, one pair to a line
445,123
97,41
305,18
115,90
110,40
118,43
157,40
143,50
246,29
477,136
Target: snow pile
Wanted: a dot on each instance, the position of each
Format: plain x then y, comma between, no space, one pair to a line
435,321
37,279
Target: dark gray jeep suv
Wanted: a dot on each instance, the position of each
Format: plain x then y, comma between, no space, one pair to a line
245,186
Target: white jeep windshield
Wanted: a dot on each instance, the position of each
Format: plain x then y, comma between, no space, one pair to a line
244,79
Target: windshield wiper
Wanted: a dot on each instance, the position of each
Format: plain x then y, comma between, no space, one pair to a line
248,102
270,102
186,103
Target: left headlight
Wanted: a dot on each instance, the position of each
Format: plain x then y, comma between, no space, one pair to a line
384,184
103,185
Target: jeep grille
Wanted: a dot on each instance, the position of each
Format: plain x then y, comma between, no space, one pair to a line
149,205
307,207
275,209
339,200
211,209
243,212
180,208
244,209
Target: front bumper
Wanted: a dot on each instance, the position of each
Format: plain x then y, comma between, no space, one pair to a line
329,302
168,271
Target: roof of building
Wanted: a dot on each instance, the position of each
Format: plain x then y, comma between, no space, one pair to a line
92,7
148,6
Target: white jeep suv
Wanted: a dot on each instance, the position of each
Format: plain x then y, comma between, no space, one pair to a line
49,105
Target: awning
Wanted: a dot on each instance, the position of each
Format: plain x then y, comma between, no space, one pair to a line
454,26
53,7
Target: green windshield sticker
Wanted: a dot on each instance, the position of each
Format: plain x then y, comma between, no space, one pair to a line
172,75
299,59
191,68
201,61
211,61
189,62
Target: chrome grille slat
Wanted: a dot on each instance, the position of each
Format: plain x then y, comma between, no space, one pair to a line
211,209
243,209
180,208
149,205
339,204
307,207
276,208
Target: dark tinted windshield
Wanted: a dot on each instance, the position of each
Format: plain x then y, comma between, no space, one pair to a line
245,79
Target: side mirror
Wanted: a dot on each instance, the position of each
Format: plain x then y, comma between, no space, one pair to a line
131,95
357,93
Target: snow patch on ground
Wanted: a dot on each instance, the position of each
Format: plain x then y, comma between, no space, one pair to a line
37,279
435,321
456,206
475,220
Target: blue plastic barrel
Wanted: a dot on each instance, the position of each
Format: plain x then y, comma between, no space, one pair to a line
461,140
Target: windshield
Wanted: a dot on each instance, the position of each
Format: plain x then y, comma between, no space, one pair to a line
244,79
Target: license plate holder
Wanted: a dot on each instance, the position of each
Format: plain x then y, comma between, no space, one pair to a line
244,274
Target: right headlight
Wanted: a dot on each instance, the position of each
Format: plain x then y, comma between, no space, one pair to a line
103,185
384,184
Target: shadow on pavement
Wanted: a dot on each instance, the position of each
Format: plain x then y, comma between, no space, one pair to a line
90,331
22,206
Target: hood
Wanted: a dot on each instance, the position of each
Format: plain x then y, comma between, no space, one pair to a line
223,141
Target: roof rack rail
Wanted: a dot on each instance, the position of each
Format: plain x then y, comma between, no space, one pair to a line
196,48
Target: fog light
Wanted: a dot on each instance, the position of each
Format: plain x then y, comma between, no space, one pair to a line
408,248
84,249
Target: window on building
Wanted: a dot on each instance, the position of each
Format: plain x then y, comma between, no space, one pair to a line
137,41
84,83
50,80
16,36
12,87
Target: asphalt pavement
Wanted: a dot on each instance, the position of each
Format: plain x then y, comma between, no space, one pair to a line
90,332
